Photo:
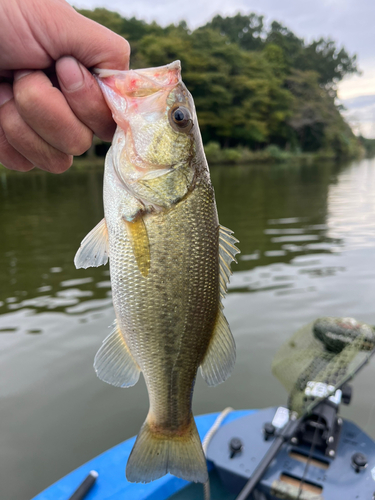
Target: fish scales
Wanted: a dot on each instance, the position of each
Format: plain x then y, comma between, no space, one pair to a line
169,265
174,309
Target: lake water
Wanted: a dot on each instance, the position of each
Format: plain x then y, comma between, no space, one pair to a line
308,249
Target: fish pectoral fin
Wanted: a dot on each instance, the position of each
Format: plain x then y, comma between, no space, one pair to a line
138,237
227,253
93,251
114,362
220,357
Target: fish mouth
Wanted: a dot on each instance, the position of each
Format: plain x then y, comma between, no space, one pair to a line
139,91
141,82
130,94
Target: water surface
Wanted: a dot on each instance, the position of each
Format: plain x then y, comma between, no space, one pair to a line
308,249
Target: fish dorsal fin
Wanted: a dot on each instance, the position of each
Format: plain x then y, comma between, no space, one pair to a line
227,253
93,251
138,237
114,362
220,357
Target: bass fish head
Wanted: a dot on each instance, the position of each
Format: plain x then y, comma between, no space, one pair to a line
157,142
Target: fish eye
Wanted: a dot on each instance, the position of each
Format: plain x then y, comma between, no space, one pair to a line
181,118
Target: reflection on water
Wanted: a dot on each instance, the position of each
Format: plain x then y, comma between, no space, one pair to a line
43,220
351,205
307,236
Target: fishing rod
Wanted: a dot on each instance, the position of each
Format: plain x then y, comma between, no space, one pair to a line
285,435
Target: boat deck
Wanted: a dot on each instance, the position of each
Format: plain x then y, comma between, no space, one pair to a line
110,465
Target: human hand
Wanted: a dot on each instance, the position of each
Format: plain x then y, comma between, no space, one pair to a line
45,120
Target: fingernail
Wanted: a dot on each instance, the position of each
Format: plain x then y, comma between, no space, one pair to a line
70,73
20,74
6,93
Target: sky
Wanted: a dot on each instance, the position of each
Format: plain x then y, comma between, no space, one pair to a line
350,23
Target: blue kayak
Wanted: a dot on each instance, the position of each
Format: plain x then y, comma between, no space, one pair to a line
327,458
110,465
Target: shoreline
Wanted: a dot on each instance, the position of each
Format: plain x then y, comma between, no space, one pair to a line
215,155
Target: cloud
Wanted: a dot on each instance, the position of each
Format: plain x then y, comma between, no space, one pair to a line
355,85
360,114
349,22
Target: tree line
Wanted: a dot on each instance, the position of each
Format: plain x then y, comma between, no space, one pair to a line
253,84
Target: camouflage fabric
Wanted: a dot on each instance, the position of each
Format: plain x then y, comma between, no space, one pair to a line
320,357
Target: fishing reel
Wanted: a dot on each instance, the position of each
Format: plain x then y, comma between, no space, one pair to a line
322,427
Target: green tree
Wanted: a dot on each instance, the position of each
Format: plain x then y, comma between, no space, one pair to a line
316,120
238,96
244,30
253,86
289,43
132,29
111,20
331,63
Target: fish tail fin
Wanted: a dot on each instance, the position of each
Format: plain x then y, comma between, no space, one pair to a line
157,452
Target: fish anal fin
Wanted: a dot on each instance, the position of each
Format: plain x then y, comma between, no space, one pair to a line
220,357
227,255
114,362
137,233
93,251
156,453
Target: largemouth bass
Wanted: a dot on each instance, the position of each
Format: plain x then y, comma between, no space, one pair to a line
169,264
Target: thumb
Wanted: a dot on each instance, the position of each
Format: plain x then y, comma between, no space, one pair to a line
87,41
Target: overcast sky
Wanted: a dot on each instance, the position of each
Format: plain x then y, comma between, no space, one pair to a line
350,23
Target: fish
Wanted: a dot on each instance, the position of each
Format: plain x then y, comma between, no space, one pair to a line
170,262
